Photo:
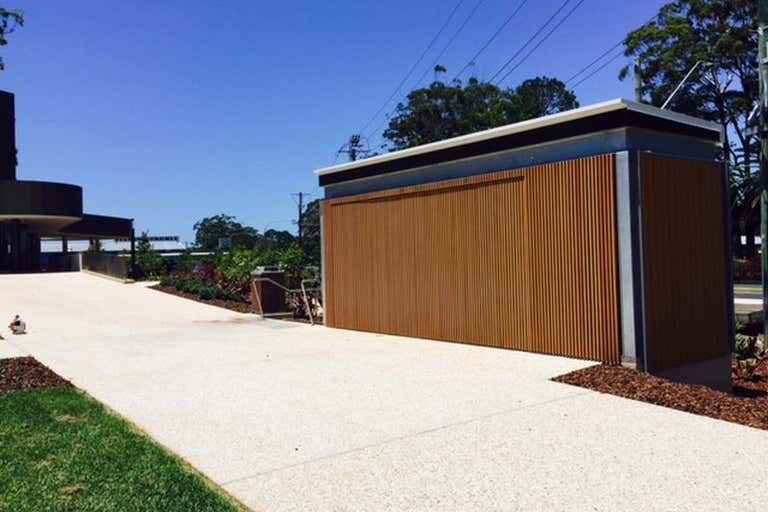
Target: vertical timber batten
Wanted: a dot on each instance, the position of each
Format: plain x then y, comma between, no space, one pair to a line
523,259
686,279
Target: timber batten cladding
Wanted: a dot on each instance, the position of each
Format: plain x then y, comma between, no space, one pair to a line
678,259
504,260
598,233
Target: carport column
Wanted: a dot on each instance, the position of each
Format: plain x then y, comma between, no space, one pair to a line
64,245
630,264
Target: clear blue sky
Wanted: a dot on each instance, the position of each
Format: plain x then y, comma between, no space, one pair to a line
174,110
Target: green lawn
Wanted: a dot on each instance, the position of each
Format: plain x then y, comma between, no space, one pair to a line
62,451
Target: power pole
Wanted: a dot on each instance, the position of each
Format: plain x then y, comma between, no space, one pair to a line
762,26
301,213
300,218
355,148
638,82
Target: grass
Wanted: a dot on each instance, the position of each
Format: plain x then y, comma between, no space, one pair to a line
62,451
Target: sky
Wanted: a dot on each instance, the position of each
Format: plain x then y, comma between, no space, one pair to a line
170,111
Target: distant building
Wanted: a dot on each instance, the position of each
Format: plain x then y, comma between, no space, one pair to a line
33,211
161,244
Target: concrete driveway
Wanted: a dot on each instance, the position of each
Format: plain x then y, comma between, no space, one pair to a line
291,417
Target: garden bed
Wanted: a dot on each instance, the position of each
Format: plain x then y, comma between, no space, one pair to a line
20,373
233,305
747,405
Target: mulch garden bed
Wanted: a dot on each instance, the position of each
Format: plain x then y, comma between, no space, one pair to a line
20,373
233,305
748,405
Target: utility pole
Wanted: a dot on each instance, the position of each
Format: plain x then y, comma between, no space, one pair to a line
301,213
354,148
762,26
300,218
638,82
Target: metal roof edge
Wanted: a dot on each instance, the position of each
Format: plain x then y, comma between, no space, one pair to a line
531,124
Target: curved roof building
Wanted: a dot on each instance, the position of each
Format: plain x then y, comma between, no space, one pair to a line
35,210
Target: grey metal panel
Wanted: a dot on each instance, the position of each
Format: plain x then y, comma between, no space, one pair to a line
680,146
598,143
578,147
728,246
636,208
625,266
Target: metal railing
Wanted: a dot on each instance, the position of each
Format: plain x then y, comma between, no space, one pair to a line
303,293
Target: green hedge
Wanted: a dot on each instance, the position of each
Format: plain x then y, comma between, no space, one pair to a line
204,289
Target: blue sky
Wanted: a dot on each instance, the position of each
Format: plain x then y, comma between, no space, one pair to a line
170,111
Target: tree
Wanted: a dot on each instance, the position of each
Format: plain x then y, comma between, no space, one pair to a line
542,96
723,35
149,263
311,236
277,240
442,111
10,20
291,261
185,262
209,230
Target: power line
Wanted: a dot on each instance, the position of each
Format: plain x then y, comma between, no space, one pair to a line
436,61
602,55
530,40
593,73
547,36
450,41
413,68
582,70
493,37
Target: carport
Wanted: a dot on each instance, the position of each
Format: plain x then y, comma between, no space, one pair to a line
598,233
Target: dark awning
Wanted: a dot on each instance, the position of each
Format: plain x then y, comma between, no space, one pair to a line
99,226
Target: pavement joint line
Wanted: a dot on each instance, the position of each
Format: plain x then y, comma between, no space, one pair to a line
406,436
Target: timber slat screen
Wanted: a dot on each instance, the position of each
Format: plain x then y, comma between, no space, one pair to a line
522,259
683,261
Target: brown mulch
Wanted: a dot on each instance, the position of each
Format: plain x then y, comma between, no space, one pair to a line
232,305
748,405
20,373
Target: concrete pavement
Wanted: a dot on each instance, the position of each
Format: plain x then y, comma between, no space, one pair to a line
292,417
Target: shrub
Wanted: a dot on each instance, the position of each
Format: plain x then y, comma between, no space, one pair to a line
750,354
149,263
205,289
232,270
747,269
291,262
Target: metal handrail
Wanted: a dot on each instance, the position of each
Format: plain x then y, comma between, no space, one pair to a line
306,300
303,290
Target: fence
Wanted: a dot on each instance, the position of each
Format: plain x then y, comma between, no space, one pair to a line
60,262
305,300
103,263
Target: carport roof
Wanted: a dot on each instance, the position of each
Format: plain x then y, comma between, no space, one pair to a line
608,115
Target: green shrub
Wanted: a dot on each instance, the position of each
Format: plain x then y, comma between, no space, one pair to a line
291,262
206,290
236,265
750,353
